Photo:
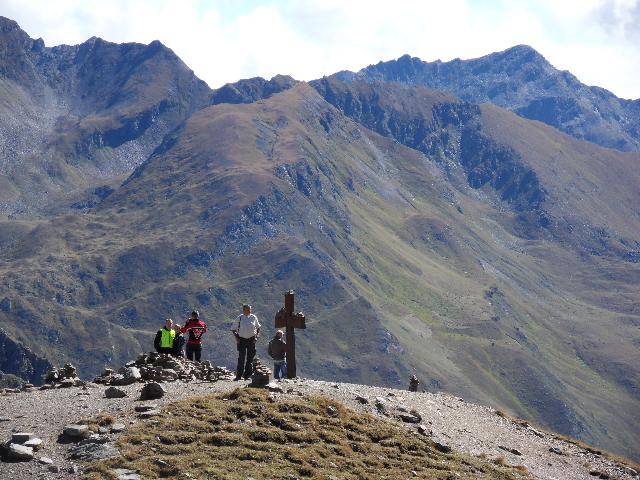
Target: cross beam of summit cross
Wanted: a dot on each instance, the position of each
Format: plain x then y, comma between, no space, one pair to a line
286,318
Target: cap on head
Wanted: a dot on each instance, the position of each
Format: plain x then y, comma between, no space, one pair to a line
168,322
195,314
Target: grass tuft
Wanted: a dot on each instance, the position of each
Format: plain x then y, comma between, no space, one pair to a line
248,434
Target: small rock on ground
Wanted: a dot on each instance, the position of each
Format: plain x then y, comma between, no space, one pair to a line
34,443
118,427
152,391
76,431
21,437
19,452
125,474
114,392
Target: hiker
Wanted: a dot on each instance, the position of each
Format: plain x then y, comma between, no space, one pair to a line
278,351
178,342
246,332
196,329
413,383
163,342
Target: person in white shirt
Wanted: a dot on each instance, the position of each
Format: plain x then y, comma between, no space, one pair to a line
246,332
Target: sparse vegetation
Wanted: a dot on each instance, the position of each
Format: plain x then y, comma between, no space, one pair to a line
99,420
247,433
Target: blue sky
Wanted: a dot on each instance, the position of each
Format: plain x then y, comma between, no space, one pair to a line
225,40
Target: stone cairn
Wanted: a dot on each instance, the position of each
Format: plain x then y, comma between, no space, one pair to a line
260,375
63,377
161,367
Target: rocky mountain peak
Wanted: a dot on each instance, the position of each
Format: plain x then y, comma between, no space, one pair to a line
522,80
12,37
8,25
252,89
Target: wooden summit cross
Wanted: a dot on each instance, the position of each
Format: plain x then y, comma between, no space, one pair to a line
286,318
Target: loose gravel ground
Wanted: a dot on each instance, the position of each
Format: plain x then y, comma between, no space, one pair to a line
466,427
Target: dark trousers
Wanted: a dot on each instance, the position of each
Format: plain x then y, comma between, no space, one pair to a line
192,350
246,352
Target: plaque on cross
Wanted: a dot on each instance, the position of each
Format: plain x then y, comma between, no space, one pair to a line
286,318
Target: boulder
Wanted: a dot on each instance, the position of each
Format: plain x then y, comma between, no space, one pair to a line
114,392
45,461
19,452
152,391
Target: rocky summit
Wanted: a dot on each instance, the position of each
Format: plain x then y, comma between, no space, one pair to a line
320,428
472,223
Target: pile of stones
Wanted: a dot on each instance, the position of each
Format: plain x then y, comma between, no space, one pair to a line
21,447
63,377
261,374
160,367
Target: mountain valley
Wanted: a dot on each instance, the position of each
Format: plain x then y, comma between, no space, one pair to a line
426,232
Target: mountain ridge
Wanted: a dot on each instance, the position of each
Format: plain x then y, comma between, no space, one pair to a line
522,80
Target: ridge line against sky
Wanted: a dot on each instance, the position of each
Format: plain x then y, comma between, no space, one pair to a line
226,40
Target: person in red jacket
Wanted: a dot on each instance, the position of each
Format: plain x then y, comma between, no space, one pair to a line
196,328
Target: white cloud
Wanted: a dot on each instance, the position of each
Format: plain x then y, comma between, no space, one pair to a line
223,40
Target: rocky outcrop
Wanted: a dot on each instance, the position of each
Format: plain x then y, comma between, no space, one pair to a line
18,360
251,90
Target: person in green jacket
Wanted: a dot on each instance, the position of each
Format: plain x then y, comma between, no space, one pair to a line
165,337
